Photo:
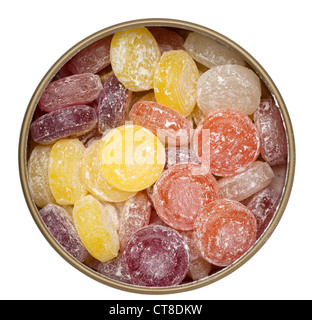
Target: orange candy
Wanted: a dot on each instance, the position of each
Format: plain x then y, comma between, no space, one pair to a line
224,231
182,192
234,142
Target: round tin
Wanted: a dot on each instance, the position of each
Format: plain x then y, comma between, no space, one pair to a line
271,87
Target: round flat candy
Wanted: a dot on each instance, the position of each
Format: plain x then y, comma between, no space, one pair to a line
132,158
156,256
233,142
182,192
134,57
229,86
224,231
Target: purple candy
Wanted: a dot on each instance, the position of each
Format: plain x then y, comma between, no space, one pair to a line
268,121
156,256
62,123
113,103
63,230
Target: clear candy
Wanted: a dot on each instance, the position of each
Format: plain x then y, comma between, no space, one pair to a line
132,158
134,57
96,229
209,52
179,155
63,230
62,123
38,165
73,90
169,126
166,39
182,192
135,215
93,58
269,123
112,104
175,81
64,171
94,180
156,256
243,185
229,86
233,142
224,231
263,205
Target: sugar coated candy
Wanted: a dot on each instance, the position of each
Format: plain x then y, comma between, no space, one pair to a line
175,81
38,177
209,52
134,57
93,58
73,90
132,158
224,231
62,123
169,125
135,215
233,142
179,155
229,86
243,185
167,40
113,269
64,171
96,229
94,180
156,256
181,192
112,104
263,205
269,123
62,229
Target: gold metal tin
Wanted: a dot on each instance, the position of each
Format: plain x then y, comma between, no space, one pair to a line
23,146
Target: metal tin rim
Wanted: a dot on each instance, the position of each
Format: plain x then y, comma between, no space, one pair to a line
168,23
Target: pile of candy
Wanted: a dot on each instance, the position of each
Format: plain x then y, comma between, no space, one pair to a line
122,170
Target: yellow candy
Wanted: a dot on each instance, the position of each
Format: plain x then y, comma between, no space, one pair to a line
38,165
94,179
134,55
64,171
96,229
132,158
175,81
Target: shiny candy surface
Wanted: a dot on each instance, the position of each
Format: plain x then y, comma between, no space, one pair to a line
134,57
132,158
175,81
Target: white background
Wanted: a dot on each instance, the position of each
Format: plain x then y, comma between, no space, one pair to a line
34,34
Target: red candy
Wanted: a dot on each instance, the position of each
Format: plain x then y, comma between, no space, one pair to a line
224,231
93,58
113,104
169,125
62,123
234,141
156,256
73,90
182,192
